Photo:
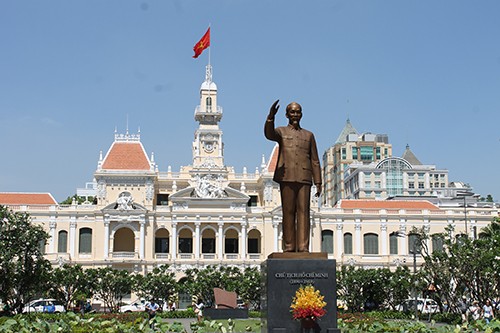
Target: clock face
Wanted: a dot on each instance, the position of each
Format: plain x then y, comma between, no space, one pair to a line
209,147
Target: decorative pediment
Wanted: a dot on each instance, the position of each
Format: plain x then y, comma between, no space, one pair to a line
125,205
225,198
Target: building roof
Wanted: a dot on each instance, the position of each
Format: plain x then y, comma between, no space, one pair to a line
273,159
386,204
410,157
18,198
348,129
126,156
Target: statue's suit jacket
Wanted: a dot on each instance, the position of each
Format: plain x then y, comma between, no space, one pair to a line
298,160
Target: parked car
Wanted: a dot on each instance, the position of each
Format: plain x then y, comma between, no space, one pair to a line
136,306
49,305
426,305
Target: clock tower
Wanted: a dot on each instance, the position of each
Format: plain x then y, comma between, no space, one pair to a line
208,148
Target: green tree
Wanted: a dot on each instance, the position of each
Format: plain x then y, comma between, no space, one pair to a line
158,284
71,283
201,282
23,269
360,288
249,288
110,285
465,267
78,199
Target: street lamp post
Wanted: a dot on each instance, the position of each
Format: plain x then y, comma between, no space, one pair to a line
464,195
415,241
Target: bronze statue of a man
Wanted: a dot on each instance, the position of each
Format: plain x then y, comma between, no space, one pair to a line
297,168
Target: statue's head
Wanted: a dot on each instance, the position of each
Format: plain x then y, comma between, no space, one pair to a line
294,113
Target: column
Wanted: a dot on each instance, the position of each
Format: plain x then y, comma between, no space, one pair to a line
276,224
220,239
383,236
52,245
174,237
243,240
357,237
142,240
340,240
72,237
402,248
106,237
197,239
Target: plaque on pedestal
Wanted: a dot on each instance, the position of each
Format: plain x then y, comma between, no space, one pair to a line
282,275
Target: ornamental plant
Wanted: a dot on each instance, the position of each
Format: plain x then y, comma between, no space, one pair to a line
308,303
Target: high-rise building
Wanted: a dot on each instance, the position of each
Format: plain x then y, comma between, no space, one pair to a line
350,147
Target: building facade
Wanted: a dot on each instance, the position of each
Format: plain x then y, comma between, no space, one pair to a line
206,213
350,147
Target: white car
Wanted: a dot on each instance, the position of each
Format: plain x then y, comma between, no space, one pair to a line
49,305
426,305
137,306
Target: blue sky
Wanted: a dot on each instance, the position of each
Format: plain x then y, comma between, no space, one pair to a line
427,73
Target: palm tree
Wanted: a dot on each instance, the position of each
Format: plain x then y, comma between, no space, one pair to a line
491,229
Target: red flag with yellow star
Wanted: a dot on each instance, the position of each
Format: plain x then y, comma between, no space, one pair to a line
202,44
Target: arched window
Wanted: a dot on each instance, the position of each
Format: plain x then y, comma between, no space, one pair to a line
231,241
85,241
208,241
370,242
347,243
41,246
209,103
254,241
327,241
62,242
393,243
414,245
437,243
185,241
162,241
124,240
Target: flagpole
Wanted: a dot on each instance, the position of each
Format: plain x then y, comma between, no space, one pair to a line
209,64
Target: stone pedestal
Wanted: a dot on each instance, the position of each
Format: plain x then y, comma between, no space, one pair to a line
283,274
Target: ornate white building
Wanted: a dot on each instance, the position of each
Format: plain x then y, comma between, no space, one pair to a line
206,213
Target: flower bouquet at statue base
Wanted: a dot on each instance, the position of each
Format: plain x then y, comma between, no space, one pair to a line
307,305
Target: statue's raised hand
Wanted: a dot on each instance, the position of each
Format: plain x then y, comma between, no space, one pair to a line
274,109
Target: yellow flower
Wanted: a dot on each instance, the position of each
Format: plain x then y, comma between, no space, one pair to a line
307,302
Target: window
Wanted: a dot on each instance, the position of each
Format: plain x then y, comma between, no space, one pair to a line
393,243
162,241
378,184
252,202
348,243
420,185
370,242
366,153
368,184
41,246
85,241
231,241
209,104
411,185
377,152
343,153
208,241
185,245
254,241
161,245
185,241
62,242
327,241
414,243
162,199
354,153
437,243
